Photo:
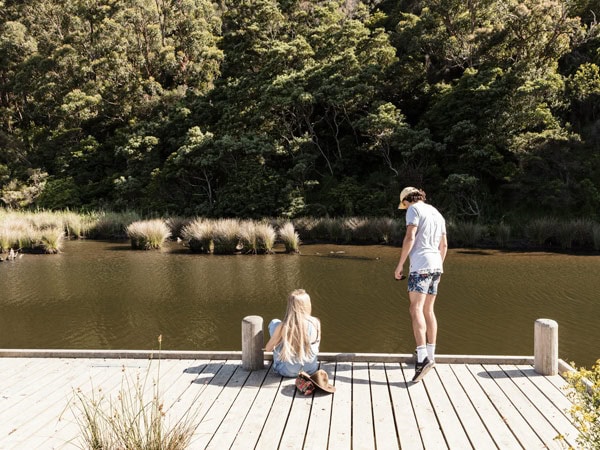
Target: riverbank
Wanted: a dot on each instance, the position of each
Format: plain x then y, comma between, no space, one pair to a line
45,232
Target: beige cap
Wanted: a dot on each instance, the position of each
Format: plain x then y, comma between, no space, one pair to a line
404,193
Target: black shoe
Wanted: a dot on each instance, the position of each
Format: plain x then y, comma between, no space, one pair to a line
421,369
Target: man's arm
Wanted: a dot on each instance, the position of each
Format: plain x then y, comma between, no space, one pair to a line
443,247
407,245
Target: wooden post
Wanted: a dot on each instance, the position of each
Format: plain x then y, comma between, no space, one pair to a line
253,357
545,342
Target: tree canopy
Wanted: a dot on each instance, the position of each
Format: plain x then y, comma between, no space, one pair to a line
257,108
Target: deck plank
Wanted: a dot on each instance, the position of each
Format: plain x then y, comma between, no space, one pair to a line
340,430
553,413
457,405
250,430
430,429
383,417
497,427
473,425
442,390
404,415
278,416
317,433
545,430
363,433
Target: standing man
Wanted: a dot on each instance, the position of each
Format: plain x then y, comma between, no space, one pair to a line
426,245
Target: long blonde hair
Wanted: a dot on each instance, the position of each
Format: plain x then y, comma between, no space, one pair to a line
295,339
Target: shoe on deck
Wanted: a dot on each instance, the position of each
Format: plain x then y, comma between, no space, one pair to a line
421,369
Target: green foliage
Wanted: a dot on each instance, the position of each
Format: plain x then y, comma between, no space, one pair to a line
270,108
584,392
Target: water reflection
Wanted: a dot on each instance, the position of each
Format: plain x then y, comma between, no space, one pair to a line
104,295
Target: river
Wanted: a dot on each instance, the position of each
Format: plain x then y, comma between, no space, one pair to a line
103,295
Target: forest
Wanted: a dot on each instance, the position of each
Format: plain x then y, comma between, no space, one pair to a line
292,108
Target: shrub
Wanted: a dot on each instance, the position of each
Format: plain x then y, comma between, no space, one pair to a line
542,231
596,236
111,225
248,236
466,234
226,236
585,412
148,234
290,238
502,234
198,234
265,237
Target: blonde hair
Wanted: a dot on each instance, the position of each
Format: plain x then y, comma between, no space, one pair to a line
295,339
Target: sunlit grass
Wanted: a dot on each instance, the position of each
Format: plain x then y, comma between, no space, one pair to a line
226,236
198,234
290,237
265,237
148,234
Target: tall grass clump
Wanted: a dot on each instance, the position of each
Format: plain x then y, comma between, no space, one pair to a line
265,237
226,236
133,419
502,233
51,240
290,237
584,393
199,235
305,226
176,225
596,236
248,237
466,234
542,231
112,225
148,234
360,229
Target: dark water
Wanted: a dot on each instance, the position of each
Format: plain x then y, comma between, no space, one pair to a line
102,295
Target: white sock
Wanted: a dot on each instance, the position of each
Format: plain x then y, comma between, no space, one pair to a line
421,353
431,352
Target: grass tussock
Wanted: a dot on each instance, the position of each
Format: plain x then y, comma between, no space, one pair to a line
466,234
226,236
198,234
290,237
136,418
148,234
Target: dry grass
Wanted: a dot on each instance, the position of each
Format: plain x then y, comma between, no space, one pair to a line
135,419
148,234
290,237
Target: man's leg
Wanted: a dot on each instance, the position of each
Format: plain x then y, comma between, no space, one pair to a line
431,323
419,324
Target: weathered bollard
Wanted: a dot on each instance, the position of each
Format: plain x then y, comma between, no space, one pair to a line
545,343
253,357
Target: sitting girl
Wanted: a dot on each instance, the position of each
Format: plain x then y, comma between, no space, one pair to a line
295,341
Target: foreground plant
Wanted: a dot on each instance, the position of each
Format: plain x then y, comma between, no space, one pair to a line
585,412
132,420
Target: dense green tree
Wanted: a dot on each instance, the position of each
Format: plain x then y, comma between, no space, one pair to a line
289,107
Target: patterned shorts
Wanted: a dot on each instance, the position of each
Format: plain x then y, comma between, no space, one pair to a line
424,283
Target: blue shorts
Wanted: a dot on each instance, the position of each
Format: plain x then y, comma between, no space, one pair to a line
424,283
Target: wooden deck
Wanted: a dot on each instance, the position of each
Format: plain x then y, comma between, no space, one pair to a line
481,402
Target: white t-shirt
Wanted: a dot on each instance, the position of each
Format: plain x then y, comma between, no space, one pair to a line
425,255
